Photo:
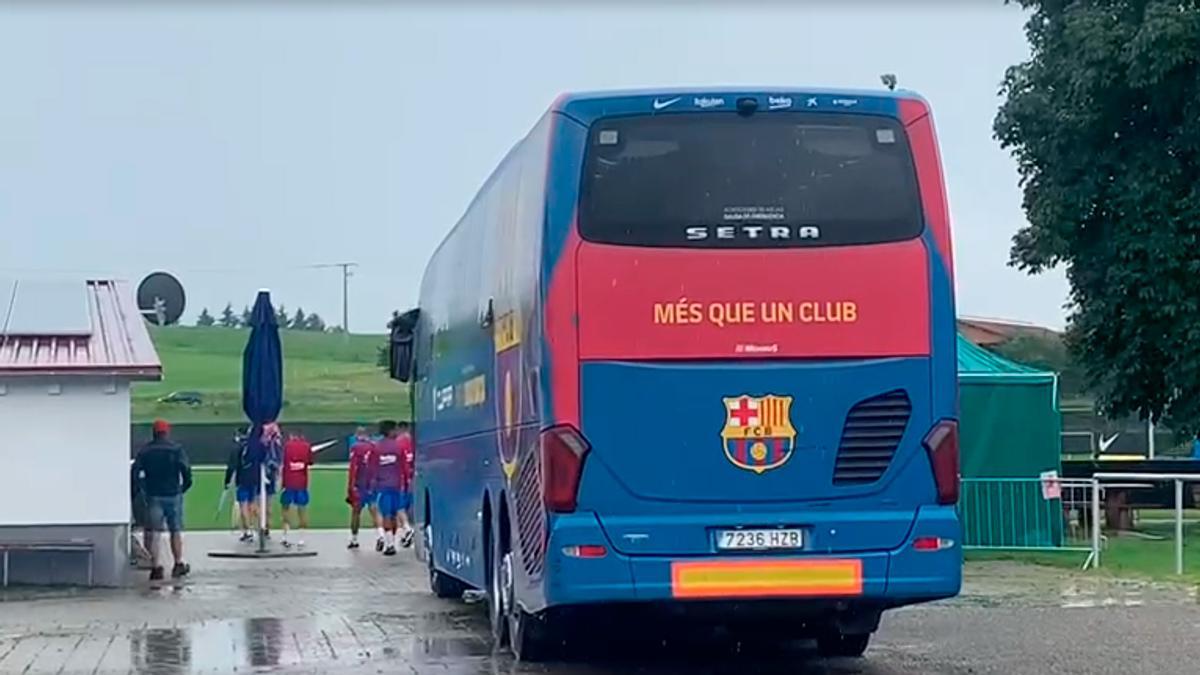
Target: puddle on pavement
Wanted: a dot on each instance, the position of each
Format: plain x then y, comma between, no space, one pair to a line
228,645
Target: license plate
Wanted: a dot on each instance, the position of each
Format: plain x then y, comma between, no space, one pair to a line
759,540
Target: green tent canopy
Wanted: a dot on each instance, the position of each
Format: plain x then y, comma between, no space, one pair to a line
1009,428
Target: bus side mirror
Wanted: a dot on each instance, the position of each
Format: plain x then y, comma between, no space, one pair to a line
401,343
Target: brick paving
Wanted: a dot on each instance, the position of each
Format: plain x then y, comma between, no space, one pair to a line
338,610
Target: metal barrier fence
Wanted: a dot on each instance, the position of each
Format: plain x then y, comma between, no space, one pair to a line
1030,514
1178,480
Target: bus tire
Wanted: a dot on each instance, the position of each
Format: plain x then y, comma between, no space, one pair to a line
529,637
836,644
496,592
443,585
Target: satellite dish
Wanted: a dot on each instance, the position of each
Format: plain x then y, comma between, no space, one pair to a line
161,299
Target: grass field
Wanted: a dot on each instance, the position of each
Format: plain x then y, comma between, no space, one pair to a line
327,509
1128,555
326,378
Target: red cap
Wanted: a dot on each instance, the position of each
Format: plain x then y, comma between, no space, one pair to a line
161,427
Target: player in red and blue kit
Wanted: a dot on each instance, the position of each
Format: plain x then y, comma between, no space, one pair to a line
393,473
359,488
297,458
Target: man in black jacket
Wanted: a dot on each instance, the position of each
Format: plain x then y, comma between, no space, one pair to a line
164,473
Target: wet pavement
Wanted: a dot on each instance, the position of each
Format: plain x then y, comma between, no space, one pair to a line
344,612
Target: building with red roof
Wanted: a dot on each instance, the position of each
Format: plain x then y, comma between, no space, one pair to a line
69,353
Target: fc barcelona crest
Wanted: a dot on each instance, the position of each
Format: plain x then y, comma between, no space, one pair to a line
758,434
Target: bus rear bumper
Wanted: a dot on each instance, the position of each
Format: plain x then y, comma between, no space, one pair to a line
891,578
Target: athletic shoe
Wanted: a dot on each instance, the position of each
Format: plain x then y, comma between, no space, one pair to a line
180,570
379,544
352,545
407,540
246,537
391,550
286,543
156,574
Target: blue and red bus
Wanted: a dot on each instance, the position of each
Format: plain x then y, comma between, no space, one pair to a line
694,351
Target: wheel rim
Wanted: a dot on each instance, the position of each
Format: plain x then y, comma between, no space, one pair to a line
498,603
507,582
427,536
515,616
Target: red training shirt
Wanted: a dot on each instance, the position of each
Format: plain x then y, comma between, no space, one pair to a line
297,457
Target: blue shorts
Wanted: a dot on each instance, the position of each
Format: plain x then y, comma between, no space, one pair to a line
365,498
392,502
293,498
247,493
164,513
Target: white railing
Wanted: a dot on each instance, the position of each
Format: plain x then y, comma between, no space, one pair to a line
1177,478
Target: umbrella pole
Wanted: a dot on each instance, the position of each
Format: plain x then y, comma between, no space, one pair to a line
262,507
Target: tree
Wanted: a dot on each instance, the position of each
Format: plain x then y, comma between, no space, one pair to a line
228,318
1102,122
299,321
315,323
1048,353
246,314
205,319
281,317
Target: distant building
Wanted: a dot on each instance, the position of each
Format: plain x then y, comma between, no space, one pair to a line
992,332
68,354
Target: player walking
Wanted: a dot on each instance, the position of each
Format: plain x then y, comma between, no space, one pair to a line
359,487
297,458
393,462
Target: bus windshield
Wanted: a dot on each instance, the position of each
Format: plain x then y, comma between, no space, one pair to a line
724,180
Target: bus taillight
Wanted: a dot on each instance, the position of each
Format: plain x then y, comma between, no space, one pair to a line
563,452
942,444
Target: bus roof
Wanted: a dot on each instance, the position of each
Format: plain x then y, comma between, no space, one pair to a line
587,106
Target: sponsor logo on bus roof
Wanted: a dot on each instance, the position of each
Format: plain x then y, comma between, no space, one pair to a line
660,103
779,102
758,435
706,102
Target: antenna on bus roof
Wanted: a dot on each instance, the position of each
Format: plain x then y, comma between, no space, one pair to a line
889,81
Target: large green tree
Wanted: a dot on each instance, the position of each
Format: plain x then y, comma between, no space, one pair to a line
1104,121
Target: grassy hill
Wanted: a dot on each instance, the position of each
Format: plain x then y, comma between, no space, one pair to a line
326,378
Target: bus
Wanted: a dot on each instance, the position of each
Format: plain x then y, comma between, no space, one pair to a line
694,351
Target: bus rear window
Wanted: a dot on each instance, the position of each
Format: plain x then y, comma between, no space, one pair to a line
722,180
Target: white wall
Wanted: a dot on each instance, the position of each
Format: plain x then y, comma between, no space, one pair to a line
64,458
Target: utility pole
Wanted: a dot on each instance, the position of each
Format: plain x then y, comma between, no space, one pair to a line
346,268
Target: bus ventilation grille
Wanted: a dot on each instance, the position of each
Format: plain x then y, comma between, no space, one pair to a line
873,430
531,511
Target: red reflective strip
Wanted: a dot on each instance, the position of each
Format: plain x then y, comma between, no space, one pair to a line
766,579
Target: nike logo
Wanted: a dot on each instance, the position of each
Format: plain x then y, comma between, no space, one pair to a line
1106,443
660,104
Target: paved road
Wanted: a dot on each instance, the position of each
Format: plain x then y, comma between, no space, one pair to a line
360,613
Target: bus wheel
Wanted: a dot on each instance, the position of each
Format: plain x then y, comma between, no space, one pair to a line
837,644
529,636
443,585
498,593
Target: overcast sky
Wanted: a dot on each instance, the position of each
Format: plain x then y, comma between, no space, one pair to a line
235,145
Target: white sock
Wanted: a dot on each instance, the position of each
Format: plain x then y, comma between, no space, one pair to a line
354,537
389,538
299,535
382,533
